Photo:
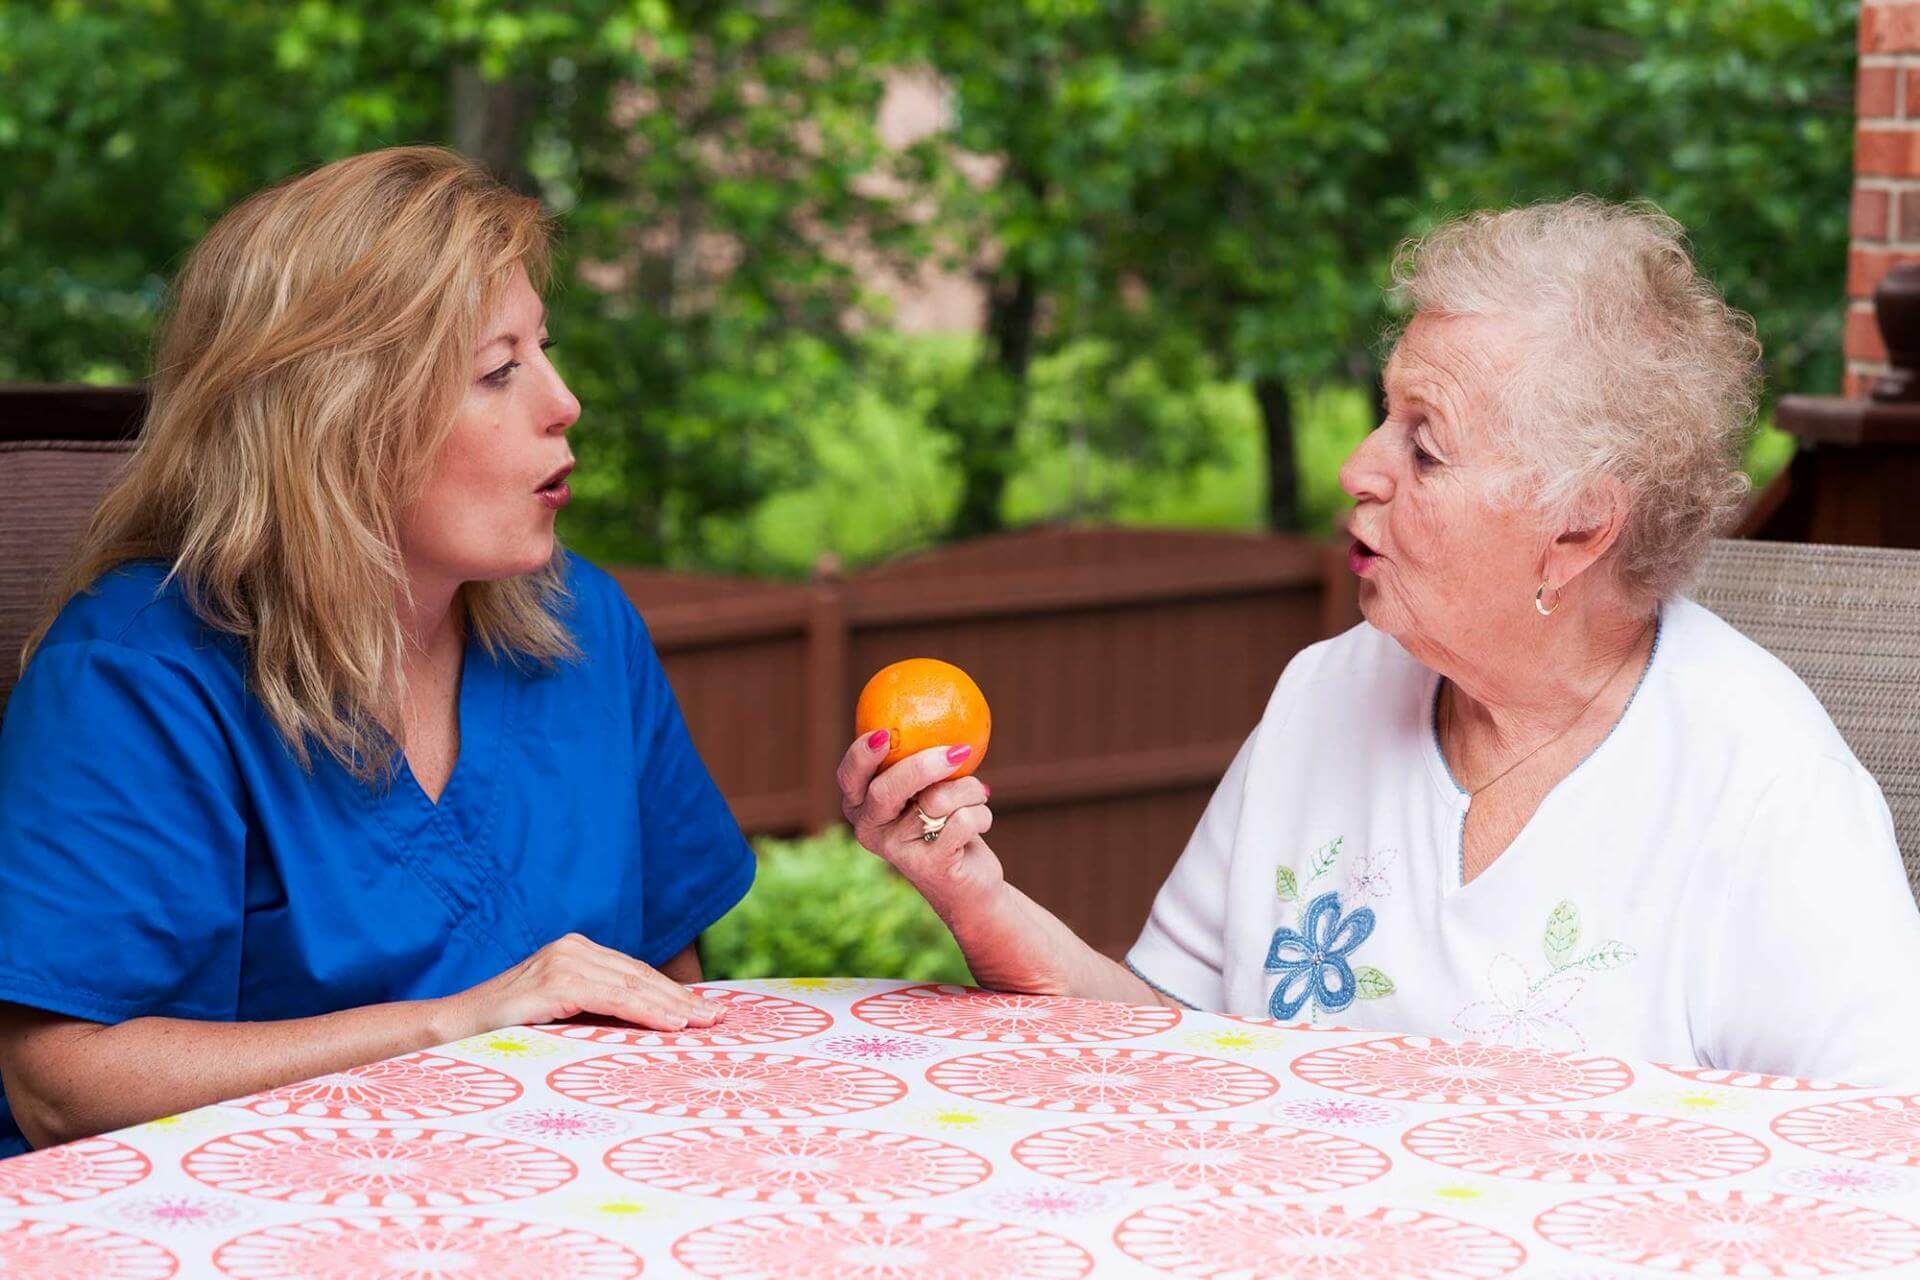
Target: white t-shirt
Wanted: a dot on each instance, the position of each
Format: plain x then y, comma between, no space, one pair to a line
1717,884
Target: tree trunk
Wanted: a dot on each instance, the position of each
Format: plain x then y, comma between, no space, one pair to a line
489,125
1283,470
985,429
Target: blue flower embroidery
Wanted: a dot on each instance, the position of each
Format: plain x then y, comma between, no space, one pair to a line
1312,960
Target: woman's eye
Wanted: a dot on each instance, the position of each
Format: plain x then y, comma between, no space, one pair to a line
498,378
1422,458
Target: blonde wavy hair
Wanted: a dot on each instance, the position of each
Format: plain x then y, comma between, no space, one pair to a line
316,347
1632,367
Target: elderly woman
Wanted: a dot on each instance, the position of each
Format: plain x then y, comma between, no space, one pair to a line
331,753
1538,797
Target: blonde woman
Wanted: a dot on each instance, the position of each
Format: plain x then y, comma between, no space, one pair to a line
331,753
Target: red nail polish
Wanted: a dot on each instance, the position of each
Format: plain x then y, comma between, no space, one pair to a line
987,789
876,740
956,754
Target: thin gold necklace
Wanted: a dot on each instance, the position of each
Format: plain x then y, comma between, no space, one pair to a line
1446,709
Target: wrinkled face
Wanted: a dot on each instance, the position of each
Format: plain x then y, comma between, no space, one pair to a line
488,510
1445,567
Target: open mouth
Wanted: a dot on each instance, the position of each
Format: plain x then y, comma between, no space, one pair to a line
1361,557
555,492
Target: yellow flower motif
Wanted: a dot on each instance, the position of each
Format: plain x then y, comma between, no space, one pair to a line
814,986
1234,1041
1458,1193
622,1208
1701,1100
510,1045
625,1208
958,1119
186,1122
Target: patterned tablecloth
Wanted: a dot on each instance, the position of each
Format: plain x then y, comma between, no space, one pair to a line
846,1130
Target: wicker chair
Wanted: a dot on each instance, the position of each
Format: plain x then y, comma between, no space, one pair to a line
1847,620
60,449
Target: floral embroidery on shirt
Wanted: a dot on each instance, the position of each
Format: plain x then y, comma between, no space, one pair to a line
1531,1011
1312,956
1370,877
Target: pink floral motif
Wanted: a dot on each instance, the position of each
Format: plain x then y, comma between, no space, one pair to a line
560,1122
965,1013
75,1171
35,1250
877,1048
180,1213
1233,1157
1885,1130
419,1086
751,1018
380,1168
798,1164
1720,1232
1610,1147
1313,1242
1859,1180
1371,878
1102,1081
1051,1200
1337,1113
726,1085
416,1247
878,1245
1418,1069
1754,1080
1525,1013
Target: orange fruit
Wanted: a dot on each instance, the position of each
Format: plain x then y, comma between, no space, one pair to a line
925,703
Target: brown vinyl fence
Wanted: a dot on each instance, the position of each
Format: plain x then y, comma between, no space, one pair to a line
1124,668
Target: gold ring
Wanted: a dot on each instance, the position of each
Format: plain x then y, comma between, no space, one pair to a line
930,828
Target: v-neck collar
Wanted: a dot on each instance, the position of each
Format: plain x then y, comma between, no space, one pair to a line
475,740
1456,795
461,822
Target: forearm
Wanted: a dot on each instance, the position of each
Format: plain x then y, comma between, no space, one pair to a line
1012,943
76,1079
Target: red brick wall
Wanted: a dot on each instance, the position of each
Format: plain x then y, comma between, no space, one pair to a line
1886,169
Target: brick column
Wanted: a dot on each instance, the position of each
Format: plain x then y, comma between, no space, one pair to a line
1886,174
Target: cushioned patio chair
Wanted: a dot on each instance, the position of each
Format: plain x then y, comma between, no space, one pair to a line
1847,620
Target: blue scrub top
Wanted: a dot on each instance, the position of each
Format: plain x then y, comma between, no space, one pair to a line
163,853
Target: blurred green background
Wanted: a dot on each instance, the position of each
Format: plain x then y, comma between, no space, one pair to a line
1161,229
1173,217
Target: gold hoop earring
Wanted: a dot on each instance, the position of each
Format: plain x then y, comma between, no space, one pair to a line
1540,601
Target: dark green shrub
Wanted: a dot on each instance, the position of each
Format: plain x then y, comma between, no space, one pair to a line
825,907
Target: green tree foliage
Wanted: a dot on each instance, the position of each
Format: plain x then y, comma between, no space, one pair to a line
1181,193
1241,173
713,164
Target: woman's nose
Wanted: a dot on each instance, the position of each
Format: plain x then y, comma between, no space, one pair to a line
1366,475
564,409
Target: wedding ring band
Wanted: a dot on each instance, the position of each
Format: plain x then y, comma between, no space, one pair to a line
930,828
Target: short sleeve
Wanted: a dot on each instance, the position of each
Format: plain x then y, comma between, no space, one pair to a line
1818,943
122,848
697,864
1181,951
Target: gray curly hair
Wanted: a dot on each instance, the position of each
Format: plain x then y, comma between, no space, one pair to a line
1633,367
